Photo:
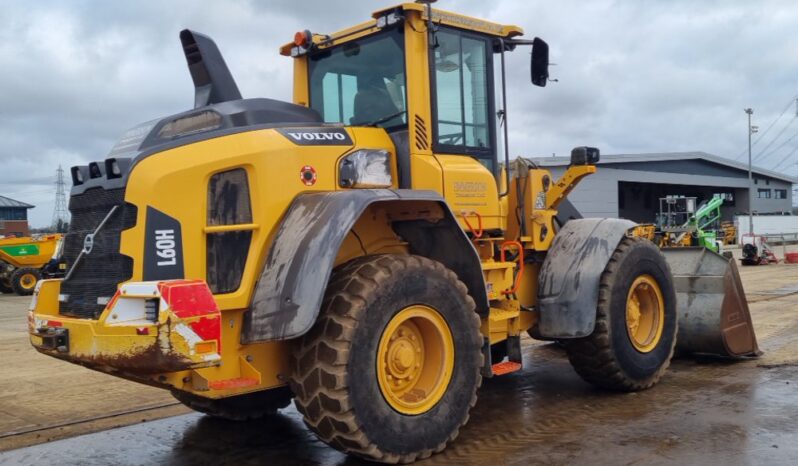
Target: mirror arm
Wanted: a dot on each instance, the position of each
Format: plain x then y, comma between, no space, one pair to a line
514,42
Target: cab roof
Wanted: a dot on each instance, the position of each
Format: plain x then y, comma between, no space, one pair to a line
438,16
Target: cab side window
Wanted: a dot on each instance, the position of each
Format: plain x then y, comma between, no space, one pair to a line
462,65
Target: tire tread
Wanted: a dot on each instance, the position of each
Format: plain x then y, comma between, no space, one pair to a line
592,357
16,277
321,388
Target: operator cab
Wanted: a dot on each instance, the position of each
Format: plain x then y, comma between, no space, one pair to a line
427,77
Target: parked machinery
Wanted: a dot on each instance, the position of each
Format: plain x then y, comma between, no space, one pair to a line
682,224
729,232
646,231
755,251
24,261
362,250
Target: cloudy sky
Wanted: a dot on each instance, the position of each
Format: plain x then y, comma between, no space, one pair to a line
634,76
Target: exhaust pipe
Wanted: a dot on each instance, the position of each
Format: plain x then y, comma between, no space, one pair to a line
213,82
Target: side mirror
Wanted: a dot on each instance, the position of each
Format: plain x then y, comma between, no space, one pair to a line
584,156
540,62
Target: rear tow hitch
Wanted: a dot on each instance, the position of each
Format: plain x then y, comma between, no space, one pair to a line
53,338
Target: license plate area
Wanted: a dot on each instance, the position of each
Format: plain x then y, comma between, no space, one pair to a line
53,338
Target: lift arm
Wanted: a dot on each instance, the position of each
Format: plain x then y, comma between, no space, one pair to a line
567,183
708,213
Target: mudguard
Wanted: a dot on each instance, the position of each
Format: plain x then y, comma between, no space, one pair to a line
291,287
568,285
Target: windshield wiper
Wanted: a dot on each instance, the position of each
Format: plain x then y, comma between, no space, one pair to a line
385,118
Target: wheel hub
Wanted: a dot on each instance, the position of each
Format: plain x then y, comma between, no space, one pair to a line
404,355
27,281
415,359
645,313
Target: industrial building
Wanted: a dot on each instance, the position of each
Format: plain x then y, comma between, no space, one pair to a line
630,185
13,217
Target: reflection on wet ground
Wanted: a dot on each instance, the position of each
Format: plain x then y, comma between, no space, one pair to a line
702,412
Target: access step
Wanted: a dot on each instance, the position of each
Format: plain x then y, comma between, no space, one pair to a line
226,384
505,367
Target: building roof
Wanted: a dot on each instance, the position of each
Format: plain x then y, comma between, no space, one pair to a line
8,202
667,157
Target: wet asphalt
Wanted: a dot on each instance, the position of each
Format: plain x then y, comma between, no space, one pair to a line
702,412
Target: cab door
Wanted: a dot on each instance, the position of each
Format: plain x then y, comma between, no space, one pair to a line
464,124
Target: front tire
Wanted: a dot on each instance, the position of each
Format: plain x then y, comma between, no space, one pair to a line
391,368
635,333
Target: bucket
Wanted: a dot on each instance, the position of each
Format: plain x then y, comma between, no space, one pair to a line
713,313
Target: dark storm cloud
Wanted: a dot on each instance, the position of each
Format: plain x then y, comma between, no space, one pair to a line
634,76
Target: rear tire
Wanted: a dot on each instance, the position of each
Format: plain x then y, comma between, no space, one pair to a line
240,407
345,391
24,280
620,355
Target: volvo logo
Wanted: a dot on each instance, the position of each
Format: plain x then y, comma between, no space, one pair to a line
317,136
88,243
327,136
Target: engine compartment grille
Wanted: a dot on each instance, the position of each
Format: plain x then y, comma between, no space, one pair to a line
97,275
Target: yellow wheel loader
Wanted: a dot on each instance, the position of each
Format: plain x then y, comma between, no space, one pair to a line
362,250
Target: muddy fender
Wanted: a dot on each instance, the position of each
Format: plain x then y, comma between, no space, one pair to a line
289,292
569,279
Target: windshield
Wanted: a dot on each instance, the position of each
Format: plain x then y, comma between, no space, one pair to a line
361,82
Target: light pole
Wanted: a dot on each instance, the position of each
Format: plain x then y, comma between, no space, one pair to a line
750,112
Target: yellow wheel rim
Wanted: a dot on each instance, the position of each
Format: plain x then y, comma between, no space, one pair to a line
645,313
27,281
415,359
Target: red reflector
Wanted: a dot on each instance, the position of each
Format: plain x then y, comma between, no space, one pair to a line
143,331
54,323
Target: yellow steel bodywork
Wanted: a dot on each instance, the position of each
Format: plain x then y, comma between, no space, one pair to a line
104,343
175,182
